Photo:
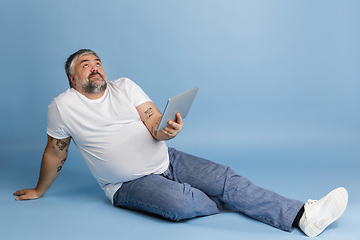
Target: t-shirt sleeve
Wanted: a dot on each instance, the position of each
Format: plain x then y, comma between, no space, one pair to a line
55,126
138,95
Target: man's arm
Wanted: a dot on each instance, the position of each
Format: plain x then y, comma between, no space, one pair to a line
54,157
151,117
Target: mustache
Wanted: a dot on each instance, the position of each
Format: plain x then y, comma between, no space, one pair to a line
94,73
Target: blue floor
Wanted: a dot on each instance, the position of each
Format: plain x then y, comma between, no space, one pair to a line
75,207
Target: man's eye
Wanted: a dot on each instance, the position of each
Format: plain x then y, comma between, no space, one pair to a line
98,64
85,65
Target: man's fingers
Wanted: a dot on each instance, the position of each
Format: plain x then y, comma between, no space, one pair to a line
169,132
18,192
179,119
19,198
21,194
26,194
174,127
178,124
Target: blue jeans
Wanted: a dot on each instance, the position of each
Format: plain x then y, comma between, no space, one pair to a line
194,186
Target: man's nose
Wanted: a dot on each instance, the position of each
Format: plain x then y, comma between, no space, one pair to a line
94,68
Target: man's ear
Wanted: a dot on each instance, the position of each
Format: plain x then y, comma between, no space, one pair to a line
71,77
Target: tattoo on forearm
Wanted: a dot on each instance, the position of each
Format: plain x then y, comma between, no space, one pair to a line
149,112
154,131
61,145
62,164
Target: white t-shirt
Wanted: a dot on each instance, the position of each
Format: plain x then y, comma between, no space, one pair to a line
109,133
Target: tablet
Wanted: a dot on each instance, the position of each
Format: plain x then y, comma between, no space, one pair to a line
180,103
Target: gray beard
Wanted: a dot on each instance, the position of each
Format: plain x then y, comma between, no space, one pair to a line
93,88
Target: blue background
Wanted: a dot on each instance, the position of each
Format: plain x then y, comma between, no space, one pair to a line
278,101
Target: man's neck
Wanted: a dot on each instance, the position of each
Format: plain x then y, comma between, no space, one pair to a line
92,96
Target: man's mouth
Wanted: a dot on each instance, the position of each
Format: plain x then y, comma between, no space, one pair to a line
95,74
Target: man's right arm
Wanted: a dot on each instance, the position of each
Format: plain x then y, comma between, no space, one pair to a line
54,157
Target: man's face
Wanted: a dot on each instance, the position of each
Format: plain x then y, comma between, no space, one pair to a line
89,76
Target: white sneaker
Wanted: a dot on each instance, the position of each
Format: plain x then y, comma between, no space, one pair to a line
318,214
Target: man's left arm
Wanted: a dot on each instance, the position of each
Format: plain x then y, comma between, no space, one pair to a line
151,116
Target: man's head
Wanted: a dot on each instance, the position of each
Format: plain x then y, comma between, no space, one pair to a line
85,72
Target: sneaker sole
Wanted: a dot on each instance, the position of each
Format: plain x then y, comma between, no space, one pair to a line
333,207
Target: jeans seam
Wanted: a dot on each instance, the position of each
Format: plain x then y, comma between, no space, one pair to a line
274,224
266,220
167,215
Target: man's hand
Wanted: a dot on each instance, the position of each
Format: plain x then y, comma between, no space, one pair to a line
151,116
174,127
27,194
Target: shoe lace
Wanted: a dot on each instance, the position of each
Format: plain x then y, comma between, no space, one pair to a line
310,201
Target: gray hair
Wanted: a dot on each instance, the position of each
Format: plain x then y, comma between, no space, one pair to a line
69,65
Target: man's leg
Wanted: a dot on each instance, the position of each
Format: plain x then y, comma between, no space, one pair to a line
220,181
158,195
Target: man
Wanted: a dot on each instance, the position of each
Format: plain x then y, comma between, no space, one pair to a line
113,124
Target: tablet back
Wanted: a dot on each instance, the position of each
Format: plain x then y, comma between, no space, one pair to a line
180,103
